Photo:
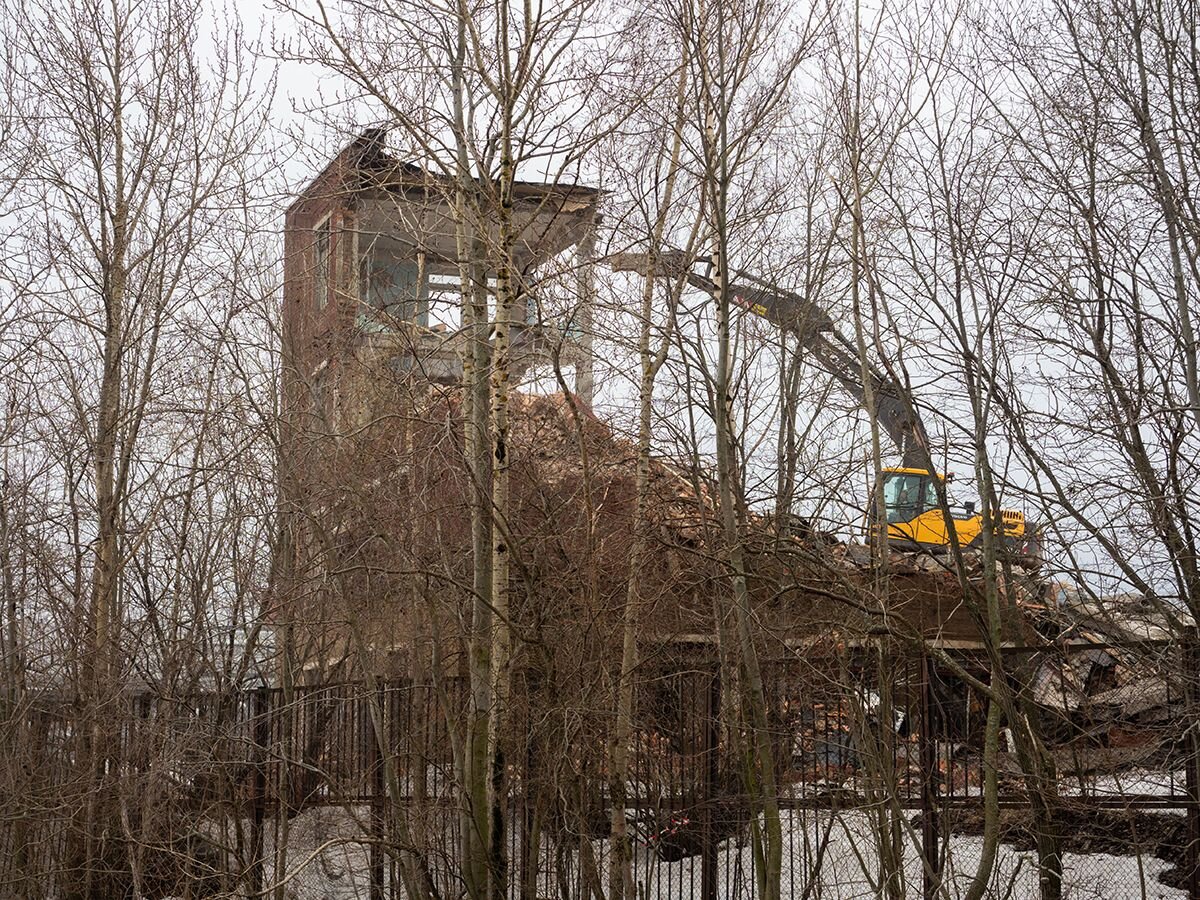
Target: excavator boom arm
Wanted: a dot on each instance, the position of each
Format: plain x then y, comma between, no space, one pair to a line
834,353
839,357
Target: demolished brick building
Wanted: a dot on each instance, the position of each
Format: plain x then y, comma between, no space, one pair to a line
375,497
374,491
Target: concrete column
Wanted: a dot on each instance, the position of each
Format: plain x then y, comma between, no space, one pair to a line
585,358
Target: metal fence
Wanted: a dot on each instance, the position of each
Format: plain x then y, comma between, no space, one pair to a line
337,790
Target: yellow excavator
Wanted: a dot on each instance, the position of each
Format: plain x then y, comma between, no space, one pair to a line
912,513
914,517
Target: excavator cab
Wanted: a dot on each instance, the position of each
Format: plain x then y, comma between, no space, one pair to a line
914,519
906,494
911,512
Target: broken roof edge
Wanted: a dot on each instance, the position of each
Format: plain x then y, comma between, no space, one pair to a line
368,148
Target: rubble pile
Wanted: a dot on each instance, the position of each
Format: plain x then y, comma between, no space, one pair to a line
558,431
1106,671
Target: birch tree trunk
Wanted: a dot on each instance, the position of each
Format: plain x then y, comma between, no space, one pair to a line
474,819
621,884
761,776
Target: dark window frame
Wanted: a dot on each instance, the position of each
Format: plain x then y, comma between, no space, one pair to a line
322,261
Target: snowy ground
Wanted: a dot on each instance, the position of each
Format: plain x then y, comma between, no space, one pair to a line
828,855
1139,782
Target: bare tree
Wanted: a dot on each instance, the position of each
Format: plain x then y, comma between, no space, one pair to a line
137,164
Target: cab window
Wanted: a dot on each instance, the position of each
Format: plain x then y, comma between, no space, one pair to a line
903,495
931,500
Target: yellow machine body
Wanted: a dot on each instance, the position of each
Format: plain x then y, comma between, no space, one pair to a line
914,517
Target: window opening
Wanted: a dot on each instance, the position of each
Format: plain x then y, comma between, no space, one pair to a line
395,287
321,265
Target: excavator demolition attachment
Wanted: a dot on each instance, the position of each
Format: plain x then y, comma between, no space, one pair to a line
912,513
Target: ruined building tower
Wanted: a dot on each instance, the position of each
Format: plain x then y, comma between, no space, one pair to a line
372,360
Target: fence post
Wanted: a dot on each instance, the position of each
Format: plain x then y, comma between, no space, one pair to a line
524,809
927,743
1191,687
712,740
378,790
260,712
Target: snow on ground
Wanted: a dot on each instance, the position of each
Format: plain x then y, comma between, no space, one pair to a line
1138,782
829,854
848,867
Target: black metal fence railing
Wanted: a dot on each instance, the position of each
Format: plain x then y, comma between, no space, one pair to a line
880,761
